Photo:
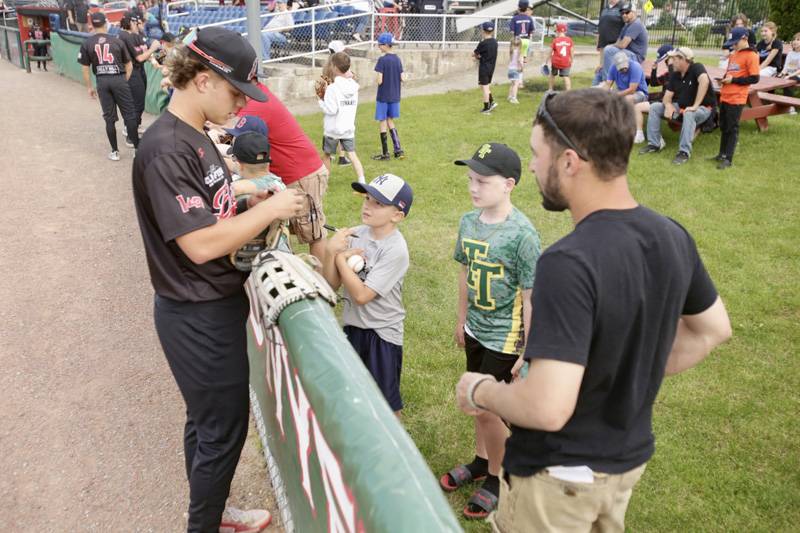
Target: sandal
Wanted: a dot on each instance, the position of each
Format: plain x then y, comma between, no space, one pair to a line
480,505
458,477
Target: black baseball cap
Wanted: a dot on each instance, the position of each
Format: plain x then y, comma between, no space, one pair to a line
98,18
495,159
230,55
251,147
625,8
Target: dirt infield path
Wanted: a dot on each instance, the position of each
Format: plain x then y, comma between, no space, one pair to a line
91,433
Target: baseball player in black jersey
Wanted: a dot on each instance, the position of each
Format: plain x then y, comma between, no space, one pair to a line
111,64
190,222
139,51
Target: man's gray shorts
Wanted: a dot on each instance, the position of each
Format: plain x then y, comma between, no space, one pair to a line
329,145
639,97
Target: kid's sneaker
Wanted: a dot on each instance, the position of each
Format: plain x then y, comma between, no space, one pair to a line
114,156
381,157
493,105
238,521
400,155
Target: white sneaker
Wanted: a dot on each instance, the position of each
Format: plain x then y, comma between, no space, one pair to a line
639,139
513,101
238,521
493,105
114,156
141,131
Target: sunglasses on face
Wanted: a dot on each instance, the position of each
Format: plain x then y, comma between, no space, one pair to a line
624,12
543,114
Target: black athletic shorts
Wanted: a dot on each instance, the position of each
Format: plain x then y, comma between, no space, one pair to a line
482,359
113,91
485,76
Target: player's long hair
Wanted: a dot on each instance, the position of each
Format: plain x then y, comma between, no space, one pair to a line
183,66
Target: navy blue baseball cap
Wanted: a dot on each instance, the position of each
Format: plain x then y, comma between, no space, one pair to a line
487,26
737,34
249,123
523,4
388,189
661,55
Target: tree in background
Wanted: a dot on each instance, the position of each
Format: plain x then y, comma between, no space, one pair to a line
786,14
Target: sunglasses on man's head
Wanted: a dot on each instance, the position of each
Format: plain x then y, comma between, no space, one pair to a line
543,114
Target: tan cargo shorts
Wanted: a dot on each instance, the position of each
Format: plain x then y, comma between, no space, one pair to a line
308,227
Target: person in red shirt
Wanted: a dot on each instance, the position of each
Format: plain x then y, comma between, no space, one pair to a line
561,57
295,159
743,70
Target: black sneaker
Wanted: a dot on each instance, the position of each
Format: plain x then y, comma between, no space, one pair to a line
381,157
400,155
128,142
716,158
343,161
680,158
723,164
651,148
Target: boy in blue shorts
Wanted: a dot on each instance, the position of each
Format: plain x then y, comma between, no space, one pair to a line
373,301
387,104
498,248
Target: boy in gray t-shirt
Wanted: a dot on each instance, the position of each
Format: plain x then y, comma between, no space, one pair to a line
373,302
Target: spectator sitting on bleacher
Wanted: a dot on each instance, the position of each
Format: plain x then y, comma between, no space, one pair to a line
770,50
628,78
367,6
280,22
689,96
632,40
791,68
657,80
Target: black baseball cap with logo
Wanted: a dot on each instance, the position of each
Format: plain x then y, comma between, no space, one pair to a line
230,55
98,19
495,159
250,147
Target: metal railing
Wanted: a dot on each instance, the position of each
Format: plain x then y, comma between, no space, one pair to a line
29,57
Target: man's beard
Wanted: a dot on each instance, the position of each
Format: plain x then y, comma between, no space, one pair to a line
552,199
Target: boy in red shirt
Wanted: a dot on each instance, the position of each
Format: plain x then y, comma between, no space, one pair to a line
743,70
561,57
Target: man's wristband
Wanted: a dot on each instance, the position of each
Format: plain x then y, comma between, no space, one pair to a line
471,391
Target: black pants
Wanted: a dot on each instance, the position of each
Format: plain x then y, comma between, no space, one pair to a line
113,91
729,115
206,347
138,85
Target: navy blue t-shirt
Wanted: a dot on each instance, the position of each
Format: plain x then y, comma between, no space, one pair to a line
521,25
638,34
391,67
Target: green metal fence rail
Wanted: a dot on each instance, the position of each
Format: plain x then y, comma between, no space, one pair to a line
10,46
28,57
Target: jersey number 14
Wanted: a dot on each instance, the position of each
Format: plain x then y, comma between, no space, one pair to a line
104,55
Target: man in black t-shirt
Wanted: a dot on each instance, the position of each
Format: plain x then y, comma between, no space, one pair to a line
689,98
620,302
609,26
111,64
190,223
131,35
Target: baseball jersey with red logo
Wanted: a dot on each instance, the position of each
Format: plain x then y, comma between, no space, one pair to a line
135,45
107,55
180,185
562,52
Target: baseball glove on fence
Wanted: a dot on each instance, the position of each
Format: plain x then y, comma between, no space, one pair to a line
321,85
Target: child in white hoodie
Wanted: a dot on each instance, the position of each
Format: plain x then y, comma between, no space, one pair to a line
339,106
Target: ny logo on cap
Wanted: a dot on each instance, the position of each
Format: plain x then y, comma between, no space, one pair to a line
484,150
380,180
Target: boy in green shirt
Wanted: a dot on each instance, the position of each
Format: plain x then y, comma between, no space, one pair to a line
498,248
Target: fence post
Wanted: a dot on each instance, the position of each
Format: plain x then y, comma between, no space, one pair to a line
372,29
444,29
313,37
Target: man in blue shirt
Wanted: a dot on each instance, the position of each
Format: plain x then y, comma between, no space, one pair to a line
627,77
387,103
632,40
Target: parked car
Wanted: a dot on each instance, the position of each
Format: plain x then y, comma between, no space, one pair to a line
720,27
693,22
577,28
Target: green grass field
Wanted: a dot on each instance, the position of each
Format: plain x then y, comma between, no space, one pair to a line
728,444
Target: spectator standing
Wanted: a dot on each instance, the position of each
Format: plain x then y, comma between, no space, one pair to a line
627,77
78,13
561,53
387,102
618,304
486,54
632,40
609,27
339,108
689,97
295,159
516,64
521,26
742,71
770,50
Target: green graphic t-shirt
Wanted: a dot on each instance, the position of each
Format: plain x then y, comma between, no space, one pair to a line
501,263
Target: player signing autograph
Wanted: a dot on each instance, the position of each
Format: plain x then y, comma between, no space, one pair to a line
190,222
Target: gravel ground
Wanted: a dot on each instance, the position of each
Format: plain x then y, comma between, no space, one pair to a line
92,427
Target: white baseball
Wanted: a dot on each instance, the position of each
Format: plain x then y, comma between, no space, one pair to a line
356,262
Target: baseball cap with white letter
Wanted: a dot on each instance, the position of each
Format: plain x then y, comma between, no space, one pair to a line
388,189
